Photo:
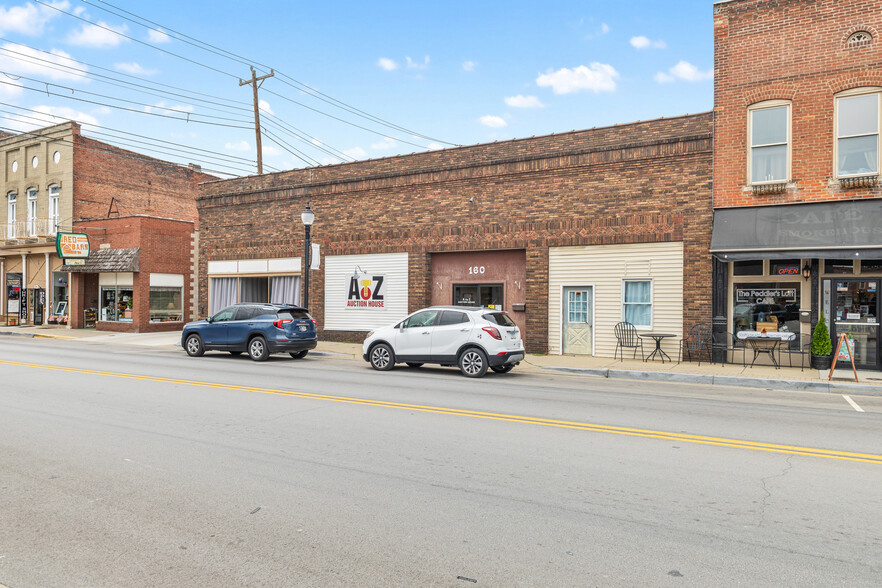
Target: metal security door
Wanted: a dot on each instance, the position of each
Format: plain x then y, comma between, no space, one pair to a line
578,320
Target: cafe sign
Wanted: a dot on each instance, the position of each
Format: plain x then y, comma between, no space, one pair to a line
366,291
72,245
749,294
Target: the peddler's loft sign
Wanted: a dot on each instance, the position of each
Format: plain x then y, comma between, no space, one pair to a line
366,291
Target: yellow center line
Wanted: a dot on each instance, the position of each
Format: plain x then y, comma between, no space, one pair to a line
634,432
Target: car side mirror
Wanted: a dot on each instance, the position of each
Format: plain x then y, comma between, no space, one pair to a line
208,319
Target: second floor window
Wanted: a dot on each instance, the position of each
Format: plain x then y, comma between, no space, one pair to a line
32,212
54,215
769,136
10,213
857,135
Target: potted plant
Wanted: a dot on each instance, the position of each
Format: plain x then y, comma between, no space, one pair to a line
822,346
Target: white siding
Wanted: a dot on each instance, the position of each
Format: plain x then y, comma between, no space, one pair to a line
339,270
167,280
606,267
285,265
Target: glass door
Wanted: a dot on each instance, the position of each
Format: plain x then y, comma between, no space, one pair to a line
855,312
486,295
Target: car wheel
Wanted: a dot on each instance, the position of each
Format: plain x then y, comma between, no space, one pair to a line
235,353
414,364
382,358
257,349
473,363
298,354
502,369
194,346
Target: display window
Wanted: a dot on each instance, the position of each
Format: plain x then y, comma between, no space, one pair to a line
486,295
166,304
117,304
770,306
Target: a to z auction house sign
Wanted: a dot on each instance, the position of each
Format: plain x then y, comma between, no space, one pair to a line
366,292
72,245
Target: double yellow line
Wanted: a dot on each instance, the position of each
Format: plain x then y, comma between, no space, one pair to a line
511,418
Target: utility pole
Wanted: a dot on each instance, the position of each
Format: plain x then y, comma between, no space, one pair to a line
255,85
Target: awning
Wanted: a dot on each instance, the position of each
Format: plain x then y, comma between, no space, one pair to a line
108,260
825,230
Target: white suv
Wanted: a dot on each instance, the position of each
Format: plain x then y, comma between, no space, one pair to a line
473,338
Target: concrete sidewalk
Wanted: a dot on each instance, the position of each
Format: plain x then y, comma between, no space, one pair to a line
707,374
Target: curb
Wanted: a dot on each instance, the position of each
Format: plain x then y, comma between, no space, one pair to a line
712,380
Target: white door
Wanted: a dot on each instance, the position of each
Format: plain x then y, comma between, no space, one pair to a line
578,320
414,340
449,334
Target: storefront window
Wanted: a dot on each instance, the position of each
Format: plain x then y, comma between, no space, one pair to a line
117,304
166,304
753,267
871,266
839,266
770,306
489,296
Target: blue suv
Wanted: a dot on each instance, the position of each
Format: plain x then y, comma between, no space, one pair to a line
258,329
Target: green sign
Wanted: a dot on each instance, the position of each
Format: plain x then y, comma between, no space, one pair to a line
72,245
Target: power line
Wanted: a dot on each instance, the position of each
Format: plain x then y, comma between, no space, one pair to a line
291,149
240,59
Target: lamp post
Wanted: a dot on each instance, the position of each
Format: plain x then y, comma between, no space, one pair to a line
308,217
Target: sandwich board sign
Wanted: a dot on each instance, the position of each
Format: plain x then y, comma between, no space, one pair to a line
845,352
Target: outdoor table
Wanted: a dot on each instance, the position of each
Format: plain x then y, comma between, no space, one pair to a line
658,339
765,342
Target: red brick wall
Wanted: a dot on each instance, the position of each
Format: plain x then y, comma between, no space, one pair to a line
133,183
640,182
165,248
792,50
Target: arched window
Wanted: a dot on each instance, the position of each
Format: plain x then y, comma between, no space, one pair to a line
32,212
54,211
10,215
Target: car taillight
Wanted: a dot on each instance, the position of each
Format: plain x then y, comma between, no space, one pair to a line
280,324
493,332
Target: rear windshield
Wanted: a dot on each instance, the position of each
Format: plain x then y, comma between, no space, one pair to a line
296,315
500,318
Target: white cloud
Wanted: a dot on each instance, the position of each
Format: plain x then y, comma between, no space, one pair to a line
135,69
29,19
355,153
240,146
264,106
10,88
604,28
599,77
520,101
642,42
50,115
684,71
270,150
386,144
97,36
317,143
434,146
387,64
411,64
156,36
493,121
469,65
22,60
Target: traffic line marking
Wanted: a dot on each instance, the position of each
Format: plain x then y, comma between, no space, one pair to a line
512,418
853,404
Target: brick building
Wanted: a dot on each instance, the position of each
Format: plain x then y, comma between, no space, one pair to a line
55,180
798,215
569,233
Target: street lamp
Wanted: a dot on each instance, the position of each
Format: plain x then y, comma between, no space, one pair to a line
308,217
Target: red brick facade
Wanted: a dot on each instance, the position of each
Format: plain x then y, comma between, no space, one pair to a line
797,51
634,183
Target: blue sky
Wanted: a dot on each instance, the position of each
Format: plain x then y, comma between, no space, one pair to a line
445,73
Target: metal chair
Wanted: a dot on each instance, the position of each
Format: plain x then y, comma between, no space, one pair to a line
626,337
801,346
726,342
699,339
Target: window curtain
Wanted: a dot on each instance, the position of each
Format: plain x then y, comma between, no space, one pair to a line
223,294
253,290
638,309
285,290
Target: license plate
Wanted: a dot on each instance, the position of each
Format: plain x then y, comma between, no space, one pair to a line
302,327
514,334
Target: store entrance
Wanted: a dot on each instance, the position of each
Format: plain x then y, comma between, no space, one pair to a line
855,312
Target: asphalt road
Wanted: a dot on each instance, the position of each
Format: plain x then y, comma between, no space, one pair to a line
135,467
